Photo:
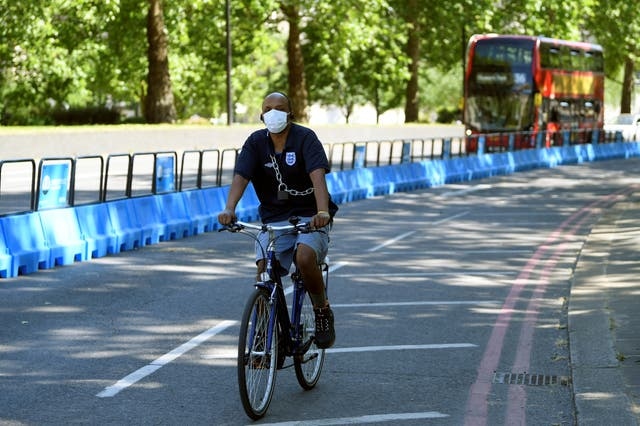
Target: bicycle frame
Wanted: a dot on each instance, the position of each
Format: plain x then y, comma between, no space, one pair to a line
289,324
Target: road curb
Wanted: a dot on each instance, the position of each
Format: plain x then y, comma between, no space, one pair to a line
599,389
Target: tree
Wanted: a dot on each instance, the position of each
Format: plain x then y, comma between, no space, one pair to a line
124,64
295,60
384,66
387,53
436,39
412,106
360,60
159,106
618,30
48,57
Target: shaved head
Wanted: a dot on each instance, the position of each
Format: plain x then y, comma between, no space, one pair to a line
276,100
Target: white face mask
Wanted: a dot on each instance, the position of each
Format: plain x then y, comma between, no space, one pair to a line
275,120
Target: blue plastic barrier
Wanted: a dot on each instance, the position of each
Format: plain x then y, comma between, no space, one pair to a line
247,208
336,187
26,242
436,172
125,224
202,219
357,189
215,200
380,182
6,260
97,230
456,170
63,236
174,216
404,181
149,220
44,239
413,177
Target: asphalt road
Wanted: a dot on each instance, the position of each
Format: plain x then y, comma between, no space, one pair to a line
444,298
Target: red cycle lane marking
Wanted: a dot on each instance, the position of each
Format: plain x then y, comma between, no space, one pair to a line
517,400
477,405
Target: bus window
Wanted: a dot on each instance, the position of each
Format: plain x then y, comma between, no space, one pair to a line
555,60
576,60
594,61
589,112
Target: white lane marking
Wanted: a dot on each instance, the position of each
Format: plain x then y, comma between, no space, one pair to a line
492,251
433,303
391,241
406,234
401,347
337,266
288,290
462,251
232,354
430,274
222,354
466,190
143,372
543,190
372,418
447,219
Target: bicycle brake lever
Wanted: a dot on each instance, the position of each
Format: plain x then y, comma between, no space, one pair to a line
234,227
304,228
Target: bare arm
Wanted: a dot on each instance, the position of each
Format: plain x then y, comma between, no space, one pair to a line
322,217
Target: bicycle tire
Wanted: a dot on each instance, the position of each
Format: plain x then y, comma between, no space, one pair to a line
308,366
257,365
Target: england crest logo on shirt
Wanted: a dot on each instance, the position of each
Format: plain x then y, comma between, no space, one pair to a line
290,158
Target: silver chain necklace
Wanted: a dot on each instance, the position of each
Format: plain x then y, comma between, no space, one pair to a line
283,186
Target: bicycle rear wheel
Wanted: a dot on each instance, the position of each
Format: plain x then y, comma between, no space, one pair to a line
256,362
308,366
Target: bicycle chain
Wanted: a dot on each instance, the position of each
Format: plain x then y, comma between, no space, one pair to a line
283,186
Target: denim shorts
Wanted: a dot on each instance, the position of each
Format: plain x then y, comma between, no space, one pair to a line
286,244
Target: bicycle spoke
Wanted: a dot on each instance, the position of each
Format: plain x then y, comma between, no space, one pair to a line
308,364
256,364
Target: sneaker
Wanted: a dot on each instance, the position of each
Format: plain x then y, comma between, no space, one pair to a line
325,333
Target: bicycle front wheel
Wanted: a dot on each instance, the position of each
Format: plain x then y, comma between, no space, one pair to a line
256,361
308,365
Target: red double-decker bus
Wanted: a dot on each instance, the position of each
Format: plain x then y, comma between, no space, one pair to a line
538,87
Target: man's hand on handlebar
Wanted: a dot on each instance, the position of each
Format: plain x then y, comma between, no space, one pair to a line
226,217
319,220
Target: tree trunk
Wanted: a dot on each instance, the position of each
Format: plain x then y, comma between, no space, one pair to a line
412,104
159,106
627,86
377,104
295,65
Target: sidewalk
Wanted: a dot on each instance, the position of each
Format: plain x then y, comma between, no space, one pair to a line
604,320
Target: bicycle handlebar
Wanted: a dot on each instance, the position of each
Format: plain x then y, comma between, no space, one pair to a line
240,225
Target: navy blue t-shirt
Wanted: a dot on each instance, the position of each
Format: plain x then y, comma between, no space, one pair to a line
302,154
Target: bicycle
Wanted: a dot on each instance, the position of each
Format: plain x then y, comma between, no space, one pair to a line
268,335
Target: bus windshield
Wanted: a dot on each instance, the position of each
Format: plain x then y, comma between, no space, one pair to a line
500,86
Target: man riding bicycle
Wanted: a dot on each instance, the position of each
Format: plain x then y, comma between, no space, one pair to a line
286,163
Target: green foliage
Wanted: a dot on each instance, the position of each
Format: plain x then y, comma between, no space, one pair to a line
441,94
361,59
618,30
61,54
